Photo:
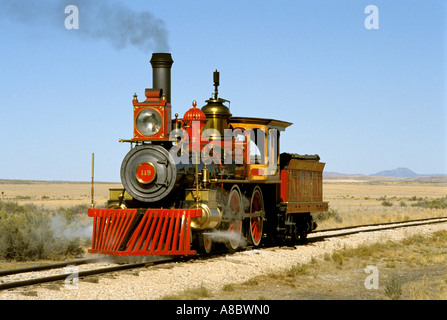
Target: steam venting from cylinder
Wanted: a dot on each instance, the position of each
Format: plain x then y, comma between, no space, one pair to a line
161,73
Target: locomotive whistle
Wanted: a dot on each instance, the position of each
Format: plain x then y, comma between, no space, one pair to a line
216,84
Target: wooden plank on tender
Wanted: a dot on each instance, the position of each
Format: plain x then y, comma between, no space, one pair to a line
306,165
298,207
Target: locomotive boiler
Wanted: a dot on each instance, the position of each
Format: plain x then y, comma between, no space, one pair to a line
206,178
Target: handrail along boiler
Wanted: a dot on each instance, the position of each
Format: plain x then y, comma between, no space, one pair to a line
209,177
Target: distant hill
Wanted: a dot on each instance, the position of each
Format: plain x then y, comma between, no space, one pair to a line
398,173
404,173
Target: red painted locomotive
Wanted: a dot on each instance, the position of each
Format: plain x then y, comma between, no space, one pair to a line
206,178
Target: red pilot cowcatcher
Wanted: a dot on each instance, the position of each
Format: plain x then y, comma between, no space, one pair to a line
152,117
125,232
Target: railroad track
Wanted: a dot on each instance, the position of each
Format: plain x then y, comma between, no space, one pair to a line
375,227
62,274
415,221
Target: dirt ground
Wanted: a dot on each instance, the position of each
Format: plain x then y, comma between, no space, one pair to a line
414,269
347,283
55,194
355,201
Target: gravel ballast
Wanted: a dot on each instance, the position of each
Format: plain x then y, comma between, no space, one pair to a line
157,282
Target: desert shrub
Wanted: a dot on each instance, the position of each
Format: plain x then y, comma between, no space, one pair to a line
338,258
297,270
438,203
393,289
326,215
190,294
71,212
387,203
27,233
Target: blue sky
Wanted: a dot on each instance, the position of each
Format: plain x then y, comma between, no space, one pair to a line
365,100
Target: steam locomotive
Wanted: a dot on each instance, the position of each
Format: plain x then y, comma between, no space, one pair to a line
204,179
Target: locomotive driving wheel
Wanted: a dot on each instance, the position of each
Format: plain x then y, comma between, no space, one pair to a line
206,243
256,221
235,224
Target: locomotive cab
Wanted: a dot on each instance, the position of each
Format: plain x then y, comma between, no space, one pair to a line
260,148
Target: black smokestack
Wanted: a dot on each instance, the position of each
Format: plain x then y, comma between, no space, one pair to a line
161,73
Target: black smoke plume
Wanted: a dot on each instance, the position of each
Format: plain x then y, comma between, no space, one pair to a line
110,20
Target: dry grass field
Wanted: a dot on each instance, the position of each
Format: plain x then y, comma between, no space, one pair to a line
55,194
418,262
352,200
412,269
380,199
46,220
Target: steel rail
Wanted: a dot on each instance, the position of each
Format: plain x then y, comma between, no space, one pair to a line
386,227
48,266
382,224
85,273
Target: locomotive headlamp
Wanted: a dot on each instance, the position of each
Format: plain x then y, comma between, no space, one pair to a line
152,117
148,122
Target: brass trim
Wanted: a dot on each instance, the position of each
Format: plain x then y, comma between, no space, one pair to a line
193,195
210,219
119,194
116,205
